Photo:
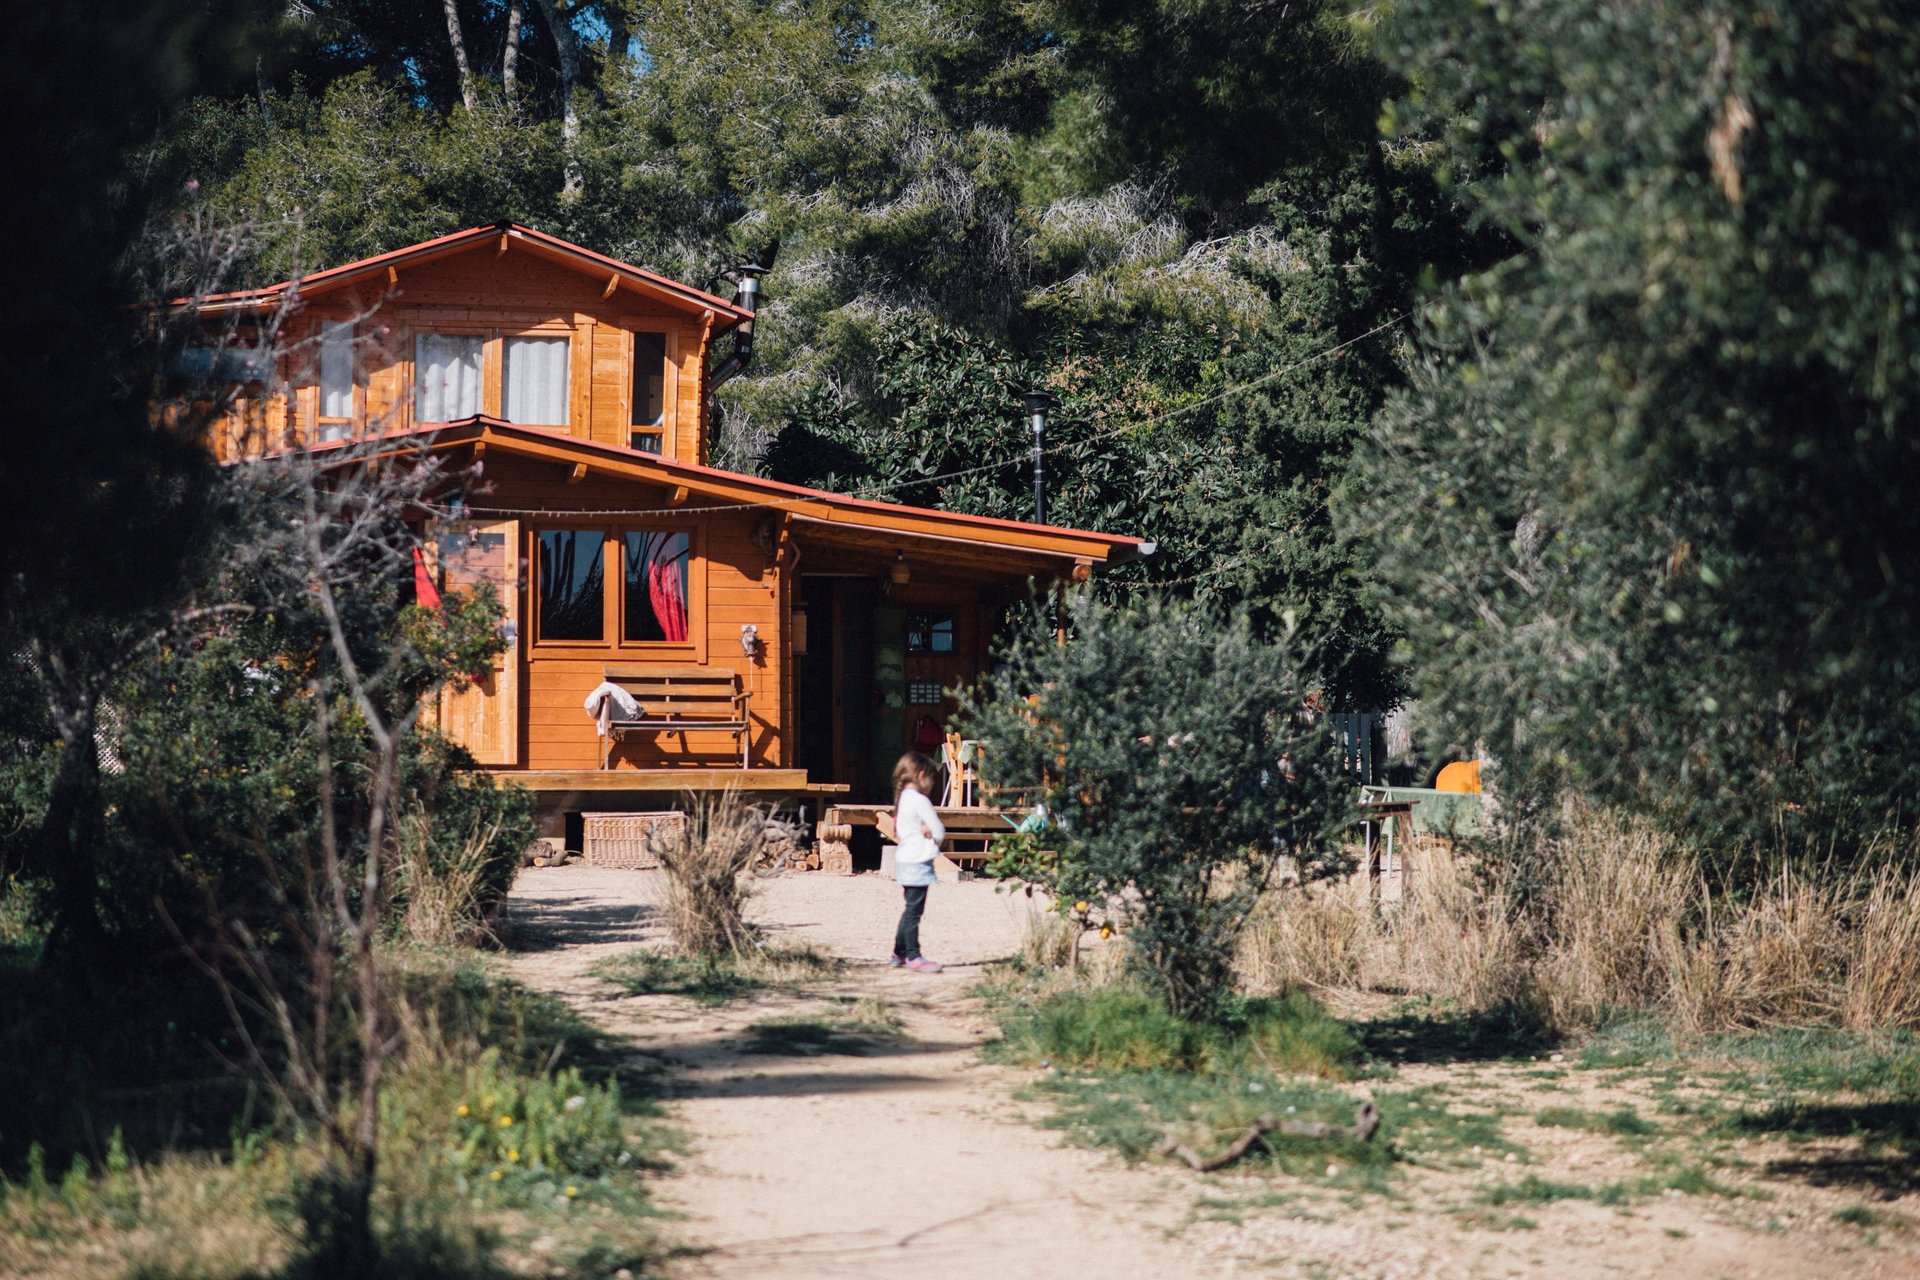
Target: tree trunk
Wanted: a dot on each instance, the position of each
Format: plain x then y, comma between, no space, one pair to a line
567,44
459,42
64,845
510,60
619,40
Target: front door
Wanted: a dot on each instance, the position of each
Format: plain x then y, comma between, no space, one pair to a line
836,682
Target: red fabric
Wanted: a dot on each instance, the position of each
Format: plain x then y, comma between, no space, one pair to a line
665,590
425,594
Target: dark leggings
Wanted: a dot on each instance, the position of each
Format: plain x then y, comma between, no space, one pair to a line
906,938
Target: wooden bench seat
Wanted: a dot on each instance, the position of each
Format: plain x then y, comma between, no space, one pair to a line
675,699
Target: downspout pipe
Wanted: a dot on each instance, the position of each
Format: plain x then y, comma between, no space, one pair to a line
747,298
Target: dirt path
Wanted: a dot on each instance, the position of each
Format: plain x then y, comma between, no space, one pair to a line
912,1159
908,1159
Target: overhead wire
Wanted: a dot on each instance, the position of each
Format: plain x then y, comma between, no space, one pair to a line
1130,427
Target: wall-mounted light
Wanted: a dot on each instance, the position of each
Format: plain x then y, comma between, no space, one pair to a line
750,639
900,573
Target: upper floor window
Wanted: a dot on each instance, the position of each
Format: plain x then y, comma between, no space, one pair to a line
336,380
649,392
535,390
446,377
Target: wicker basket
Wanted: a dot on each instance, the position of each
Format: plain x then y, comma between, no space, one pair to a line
626,841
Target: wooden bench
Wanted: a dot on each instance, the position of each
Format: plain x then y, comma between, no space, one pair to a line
970,832
679,700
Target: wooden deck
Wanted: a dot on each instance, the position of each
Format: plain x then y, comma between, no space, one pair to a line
789,781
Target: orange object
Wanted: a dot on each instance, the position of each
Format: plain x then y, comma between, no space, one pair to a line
1461,775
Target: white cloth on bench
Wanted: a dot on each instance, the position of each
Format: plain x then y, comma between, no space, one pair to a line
609,702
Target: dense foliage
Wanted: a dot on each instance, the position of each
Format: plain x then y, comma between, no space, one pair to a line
1180,770
1645,510
960,202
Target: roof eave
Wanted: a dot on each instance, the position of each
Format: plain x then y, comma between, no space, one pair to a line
286,292
814,505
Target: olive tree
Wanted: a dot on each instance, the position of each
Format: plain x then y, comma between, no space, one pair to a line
1182,771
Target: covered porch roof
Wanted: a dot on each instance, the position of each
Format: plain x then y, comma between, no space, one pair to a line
863,535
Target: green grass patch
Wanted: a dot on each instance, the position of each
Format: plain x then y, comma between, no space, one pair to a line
1861,1215
1134,1112
1127,1076
1693,1180
1426,1127
715,980
1622,1122
1534,1190
1122,1029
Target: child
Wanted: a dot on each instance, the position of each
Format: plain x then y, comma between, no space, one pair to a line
917,835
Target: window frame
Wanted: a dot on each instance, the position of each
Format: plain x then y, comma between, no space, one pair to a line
493,362
664,431
613,536
328,428
496,389
489,366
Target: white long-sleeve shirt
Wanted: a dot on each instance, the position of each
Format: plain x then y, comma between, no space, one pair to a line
917,828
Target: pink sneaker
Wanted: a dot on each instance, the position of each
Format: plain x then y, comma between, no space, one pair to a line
920,964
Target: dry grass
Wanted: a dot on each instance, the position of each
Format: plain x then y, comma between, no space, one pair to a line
1883,978
1318,935
1444,938
705,864
1457,942
1619,896
1621,920
1047,938
443,904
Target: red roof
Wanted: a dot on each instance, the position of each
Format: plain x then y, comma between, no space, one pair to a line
552,248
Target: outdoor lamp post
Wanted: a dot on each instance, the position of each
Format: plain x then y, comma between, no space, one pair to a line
1038,402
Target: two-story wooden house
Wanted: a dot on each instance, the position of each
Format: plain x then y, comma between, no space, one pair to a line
580,384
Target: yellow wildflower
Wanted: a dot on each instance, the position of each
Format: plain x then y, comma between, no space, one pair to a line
460,1110
496,1175
573,1191
505,1122
513,1155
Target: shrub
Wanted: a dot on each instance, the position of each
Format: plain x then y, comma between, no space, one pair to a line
705,864
455,855
1174,754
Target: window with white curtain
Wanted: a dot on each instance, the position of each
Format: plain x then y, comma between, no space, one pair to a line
336,370
446,377
536,381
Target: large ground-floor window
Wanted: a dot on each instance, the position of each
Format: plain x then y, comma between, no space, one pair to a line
632,583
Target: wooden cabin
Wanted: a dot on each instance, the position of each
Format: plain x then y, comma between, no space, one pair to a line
811,637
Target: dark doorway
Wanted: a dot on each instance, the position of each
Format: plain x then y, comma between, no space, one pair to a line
838,703
816,681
